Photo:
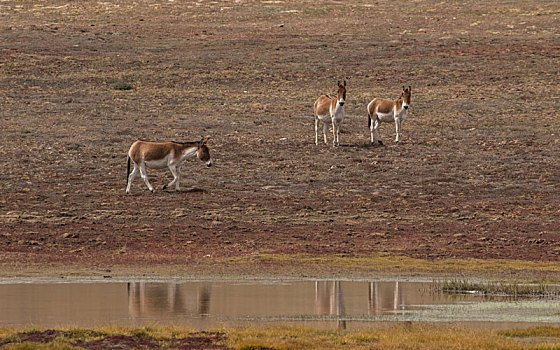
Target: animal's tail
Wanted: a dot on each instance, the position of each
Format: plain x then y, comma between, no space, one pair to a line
127,169
369,121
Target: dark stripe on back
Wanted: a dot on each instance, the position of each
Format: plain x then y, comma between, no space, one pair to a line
177,142
193,143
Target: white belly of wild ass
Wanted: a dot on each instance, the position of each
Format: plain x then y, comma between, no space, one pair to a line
157,164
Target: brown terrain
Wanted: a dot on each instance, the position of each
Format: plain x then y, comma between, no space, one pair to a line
476,174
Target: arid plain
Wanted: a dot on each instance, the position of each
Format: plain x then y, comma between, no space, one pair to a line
476,175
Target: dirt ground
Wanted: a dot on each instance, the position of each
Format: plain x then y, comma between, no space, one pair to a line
476,174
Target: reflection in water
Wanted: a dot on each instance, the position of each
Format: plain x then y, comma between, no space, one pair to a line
331,301
206,305
204,300
157,300
328,301
380,301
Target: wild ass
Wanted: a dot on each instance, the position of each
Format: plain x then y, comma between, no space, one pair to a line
329,109
157,155
386,111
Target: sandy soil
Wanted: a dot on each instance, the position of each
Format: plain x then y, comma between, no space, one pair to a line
476,175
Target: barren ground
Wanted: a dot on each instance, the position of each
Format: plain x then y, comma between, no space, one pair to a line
476,175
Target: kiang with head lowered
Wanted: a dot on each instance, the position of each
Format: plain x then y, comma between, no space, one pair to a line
386,111
330,110
158,155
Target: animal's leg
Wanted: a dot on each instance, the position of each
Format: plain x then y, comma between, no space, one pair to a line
371,130
173,170
316,130
131,177
325,130
376,125
334,132
178,179
397,129
145,177
338,124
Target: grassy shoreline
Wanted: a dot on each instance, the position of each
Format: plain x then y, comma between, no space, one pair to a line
292,266
402,336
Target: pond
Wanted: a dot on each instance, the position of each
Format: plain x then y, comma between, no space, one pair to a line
209,304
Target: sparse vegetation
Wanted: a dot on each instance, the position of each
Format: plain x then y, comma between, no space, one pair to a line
297,265
540,290
255,347
461,185
471,190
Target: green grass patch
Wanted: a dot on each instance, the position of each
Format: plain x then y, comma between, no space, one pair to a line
122,86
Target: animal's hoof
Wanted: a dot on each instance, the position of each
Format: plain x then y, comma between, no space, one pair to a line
380,143
164,187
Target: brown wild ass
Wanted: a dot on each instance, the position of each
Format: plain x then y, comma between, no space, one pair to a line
157,155
330,110
386,111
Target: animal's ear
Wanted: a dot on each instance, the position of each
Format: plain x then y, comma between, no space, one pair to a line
338,83
344,83
403,88
409,88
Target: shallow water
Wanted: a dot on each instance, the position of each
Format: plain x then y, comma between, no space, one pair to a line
211,304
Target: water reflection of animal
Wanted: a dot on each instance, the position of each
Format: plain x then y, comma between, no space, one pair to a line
385,296
163,299
329,302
